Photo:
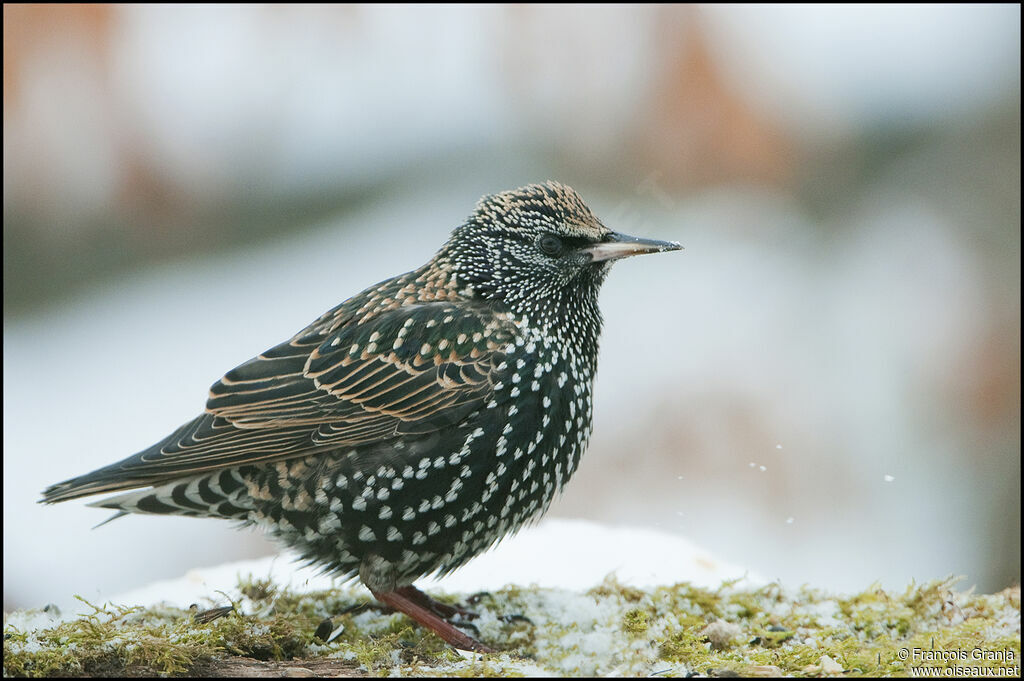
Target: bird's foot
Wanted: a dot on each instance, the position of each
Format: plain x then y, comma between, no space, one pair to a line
440,609
449,612
420,607
507,619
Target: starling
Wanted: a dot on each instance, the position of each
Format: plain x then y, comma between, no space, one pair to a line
417,423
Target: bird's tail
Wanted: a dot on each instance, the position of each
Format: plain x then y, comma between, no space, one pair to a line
144,469
208,448
213,495
87,485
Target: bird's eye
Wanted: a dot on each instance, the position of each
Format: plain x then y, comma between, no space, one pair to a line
550,245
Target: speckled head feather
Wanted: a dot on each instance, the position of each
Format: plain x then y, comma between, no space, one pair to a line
525,248
417,423
551,205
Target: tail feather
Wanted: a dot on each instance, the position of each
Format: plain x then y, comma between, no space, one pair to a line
119,514
83,487
200,447
122,475
200,496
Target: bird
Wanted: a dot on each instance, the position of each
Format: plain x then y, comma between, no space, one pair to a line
414,425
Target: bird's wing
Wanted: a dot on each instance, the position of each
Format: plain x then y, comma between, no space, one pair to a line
414,369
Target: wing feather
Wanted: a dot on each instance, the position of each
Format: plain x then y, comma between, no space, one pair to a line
344,386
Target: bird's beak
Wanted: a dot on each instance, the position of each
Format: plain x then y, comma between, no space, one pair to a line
615,245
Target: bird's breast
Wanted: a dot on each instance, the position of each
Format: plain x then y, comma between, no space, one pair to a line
430,502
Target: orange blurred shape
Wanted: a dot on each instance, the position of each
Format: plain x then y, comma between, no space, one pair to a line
694,130
30,29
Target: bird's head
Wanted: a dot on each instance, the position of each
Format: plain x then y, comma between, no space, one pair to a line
537,248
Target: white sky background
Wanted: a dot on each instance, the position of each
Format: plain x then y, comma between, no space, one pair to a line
825,67
111,370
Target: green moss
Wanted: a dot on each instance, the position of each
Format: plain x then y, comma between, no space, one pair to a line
636,622
107,640
257,589
612,587
612,629
273,638
686,645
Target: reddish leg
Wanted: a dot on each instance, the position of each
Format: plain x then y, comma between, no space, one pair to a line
400,601
437,607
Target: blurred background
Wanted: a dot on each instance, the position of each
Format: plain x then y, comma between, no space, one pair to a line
824,386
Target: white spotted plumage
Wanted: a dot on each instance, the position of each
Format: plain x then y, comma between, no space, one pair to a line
416,424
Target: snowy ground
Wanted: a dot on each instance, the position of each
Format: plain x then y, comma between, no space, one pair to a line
593,601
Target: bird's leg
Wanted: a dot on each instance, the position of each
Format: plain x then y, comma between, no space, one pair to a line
435,606
450,611
401,602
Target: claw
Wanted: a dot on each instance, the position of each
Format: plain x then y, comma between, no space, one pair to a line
477,597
